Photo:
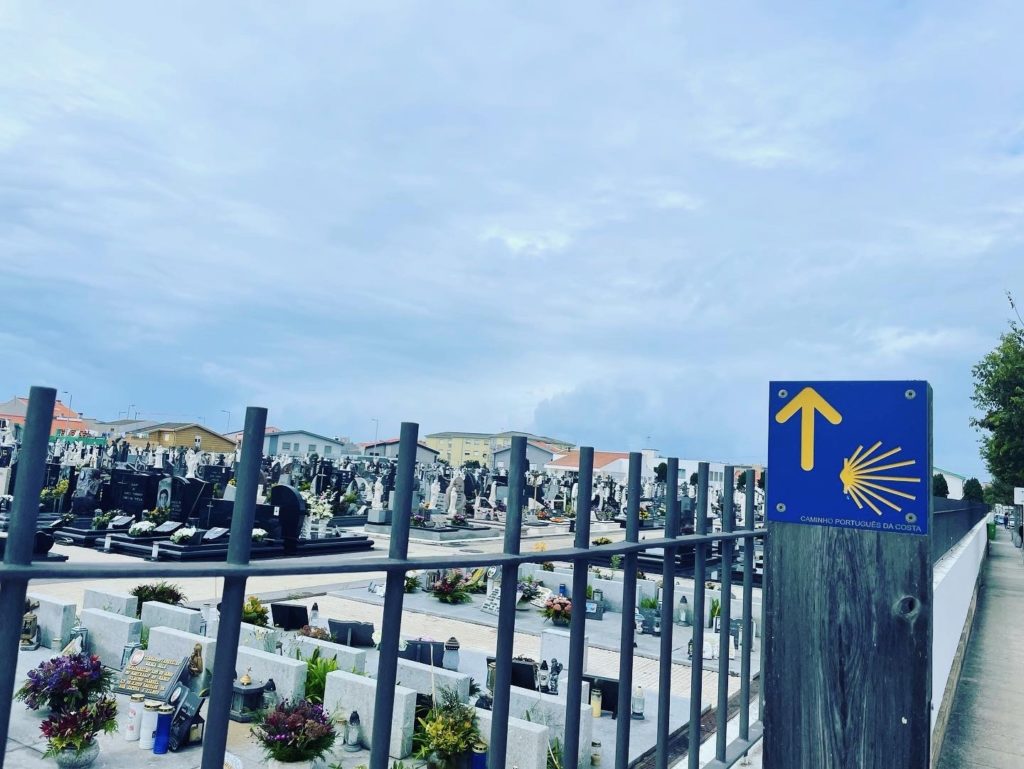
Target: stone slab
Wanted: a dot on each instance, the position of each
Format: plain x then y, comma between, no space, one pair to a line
527,746
549,710
260,638
349,659
56,619
171,643
289,674
426,679
124,604
347,692
554,644
155,614
109,633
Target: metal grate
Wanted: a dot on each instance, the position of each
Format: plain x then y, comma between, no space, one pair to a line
17,570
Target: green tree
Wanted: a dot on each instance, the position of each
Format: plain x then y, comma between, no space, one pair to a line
973,491
741,481
999,396
693,479
661,472
472,464
939,486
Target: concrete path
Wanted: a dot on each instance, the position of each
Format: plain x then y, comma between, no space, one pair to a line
985,723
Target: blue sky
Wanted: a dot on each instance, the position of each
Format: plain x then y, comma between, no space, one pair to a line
606,225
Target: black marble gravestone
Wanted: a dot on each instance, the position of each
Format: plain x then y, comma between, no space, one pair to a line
6,454
291,511
87,492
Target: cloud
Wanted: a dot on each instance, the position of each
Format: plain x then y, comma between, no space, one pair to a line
477,220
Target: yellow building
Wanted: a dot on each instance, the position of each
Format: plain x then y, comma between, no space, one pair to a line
457,448
175,434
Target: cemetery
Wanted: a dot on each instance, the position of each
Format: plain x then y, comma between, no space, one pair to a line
156,650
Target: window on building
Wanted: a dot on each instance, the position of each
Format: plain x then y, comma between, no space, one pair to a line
286,447
312,448
327,450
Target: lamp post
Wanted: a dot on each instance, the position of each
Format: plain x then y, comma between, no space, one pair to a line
228,428
70,397
376,434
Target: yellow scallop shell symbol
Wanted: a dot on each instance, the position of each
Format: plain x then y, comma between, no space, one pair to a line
863,484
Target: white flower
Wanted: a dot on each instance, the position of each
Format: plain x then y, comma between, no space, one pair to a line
183,535
318,506
259,534
142,527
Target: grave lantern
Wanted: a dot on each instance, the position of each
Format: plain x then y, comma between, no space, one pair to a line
599,597
246,699
450,661
352,733
270,696
636,704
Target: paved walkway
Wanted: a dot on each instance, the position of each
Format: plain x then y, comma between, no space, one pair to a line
985,723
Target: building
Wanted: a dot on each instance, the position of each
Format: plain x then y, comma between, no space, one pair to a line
716,474
65,421
613,463
301,443
538,455
954,482
389,448
178,434
236,435
457,448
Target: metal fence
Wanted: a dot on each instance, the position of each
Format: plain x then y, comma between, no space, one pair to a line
17,570
952,519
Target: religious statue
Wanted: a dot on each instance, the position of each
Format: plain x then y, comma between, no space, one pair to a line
435,494
30,626
378,495
195,662
191,463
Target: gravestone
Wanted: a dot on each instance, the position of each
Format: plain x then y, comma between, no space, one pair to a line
124,604
346,692
291,510
150,675
87,492
492,602
216,533
289,674
56,618
133,492
109,634
167,527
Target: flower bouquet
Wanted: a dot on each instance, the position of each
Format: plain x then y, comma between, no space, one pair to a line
451,588
558,609
318,506
294,732
526,590
183,535
459,519
141,529
419,520
258,535
65,682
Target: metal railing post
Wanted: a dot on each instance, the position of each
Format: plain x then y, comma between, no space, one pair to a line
628,632
578,618
697,669
668,599
394,597
20,537
725,615
746,634
507,608
233,595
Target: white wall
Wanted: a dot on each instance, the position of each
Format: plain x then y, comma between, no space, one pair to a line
953,582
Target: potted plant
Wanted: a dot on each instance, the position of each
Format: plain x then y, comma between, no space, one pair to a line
161,592
447,733
558,609
158,515
451,588
526,591
254,612
294,734
412,583
102,520
65,682
71,734
258,535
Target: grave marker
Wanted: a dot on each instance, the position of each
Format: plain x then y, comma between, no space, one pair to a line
152,676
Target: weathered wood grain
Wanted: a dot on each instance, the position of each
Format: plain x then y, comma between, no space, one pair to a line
848,631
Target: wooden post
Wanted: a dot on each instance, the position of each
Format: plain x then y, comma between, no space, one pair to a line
848,639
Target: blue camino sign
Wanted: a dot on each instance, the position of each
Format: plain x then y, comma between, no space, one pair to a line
850,454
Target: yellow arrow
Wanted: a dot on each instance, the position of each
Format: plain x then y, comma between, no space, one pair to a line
807,401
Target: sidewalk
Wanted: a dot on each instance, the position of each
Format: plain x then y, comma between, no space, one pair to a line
985,723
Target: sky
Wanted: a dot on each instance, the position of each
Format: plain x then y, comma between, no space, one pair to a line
613,225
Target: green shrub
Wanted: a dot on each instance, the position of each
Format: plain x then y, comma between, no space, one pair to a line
601,541
317,668
648,603
161,592
254,612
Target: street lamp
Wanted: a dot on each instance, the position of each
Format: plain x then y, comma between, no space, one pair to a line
228,428
70,397
130,407
376,434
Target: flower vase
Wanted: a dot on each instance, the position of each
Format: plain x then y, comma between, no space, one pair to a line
523,606
560,621
70,759
273,763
